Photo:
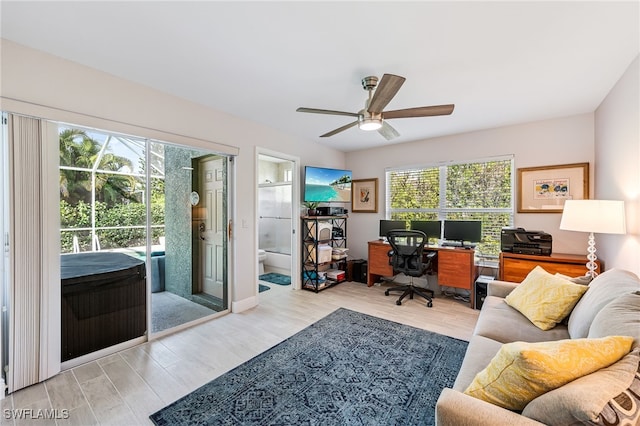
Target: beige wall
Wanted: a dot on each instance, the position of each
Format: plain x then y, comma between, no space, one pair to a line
84,96
42,79
556,141
617,151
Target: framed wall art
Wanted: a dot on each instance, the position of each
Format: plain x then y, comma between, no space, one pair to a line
545,189
364,195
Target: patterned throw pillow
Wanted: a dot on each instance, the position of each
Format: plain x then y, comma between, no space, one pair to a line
624,409
523,371
545,299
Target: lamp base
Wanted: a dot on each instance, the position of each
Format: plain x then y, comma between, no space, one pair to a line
591,264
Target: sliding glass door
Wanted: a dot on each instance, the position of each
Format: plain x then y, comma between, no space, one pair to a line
159,204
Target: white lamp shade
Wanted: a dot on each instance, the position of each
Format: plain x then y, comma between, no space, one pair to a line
597,216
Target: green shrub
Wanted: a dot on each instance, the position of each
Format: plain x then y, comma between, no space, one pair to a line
121,215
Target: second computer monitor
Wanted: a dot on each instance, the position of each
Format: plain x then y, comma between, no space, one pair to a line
388,225
431,228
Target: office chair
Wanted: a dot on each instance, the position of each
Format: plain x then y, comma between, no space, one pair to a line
406,256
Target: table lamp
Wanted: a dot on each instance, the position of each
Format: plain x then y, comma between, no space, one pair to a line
593,216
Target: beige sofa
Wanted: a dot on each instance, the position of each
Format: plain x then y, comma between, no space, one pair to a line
614,295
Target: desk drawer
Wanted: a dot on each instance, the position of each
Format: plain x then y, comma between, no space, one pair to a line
515,270
379,261
455,268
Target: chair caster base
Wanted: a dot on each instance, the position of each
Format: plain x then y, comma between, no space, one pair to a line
386,293
398,302
430,304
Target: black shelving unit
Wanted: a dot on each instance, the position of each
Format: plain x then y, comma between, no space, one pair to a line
315,233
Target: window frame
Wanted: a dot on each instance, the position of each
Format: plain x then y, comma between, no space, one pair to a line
442,210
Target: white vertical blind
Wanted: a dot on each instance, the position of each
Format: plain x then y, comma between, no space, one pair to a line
25,143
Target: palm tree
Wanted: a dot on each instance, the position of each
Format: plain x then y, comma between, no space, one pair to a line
77,149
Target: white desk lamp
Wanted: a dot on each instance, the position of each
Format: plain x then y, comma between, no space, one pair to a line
593,216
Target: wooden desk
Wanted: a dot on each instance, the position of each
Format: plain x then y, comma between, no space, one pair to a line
455,266
515,267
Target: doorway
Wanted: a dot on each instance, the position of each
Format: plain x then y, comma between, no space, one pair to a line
209,231
277,218
135,197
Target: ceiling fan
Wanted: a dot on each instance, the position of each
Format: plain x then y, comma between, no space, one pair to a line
372,117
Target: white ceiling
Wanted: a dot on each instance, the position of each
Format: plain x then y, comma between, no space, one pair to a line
500,63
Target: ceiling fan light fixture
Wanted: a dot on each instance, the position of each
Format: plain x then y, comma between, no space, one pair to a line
373,116
369,124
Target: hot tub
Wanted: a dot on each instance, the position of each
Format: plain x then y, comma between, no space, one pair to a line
103,301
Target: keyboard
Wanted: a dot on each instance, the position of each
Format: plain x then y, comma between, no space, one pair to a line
457,244
451,244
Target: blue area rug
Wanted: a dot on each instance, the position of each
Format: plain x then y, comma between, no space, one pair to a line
347,368
262,287
276,278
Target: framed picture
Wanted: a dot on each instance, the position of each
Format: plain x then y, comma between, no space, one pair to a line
364,195
545,189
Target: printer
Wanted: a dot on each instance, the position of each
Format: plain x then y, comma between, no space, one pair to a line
518,240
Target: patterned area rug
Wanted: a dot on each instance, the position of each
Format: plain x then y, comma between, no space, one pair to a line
347,368
276,278
262,287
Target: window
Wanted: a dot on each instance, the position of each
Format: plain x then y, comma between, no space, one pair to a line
477,190
102,190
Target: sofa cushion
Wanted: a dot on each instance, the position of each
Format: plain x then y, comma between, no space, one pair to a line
619,317
545,299
496,314
479,354
523,371
593,397
602,290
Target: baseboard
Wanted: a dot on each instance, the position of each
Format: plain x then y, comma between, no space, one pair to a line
245,304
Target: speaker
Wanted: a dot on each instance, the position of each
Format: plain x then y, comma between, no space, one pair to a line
480,290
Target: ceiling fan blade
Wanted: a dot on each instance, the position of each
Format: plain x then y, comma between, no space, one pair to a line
326,111
339,129
426,111
387,131
386,90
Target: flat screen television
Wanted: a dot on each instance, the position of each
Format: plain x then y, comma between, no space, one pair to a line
388,225
432,228
464,232
325,185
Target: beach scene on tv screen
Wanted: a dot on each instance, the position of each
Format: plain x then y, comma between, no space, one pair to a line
327,185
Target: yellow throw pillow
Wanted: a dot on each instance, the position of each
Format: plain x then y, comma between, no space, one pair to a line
520,371
545,299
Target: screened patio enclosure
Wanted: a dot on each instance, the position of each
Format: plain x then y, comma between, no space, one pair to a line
132,196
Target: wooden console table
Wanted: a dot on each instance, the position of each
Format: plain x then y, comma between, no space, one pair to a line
455,266
515,267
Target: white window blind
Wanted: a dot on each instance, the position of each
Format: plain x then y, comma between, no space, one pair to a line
475,190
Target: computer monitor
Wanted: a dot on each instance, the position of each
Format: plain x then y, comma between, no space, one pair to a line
388,225
432,228
463,231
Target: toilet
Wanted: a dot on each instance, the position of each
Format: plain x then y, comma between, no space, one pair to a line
262,255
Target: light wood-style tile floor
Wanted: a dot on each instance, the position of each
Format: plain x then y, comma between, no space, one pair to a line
126,387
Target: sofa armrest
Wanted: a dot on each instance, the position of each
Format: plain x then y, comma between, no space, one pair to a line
457,409
500,288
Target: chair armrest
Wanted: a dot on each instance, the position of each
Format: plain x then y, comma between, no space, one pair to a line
454,408
500,288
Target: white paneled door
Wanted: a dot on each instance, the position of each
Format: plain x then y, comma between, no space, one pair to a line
212,227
